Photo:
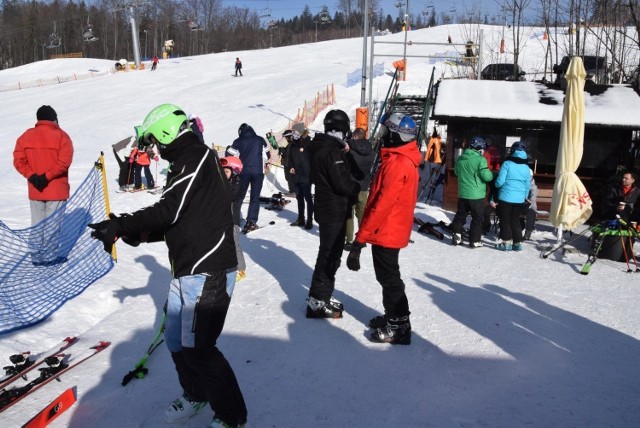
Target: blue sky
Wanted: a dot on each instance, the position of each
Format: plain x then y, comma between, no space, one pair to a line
288,8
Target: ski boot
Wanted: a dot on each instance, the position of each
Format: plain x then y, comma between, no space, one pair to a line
517,246
309,224
397,331
505,245
298,222
219,423
324,309
249,226
456,239
181,409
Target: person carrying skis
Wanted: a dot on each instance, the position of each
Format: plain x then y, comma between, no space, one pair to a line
238,67
300,170
193,217
251,147
335,193
387,225
473,175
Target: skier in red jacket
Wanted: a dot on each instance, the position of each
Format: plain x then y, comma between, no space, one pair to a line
387,223
43,155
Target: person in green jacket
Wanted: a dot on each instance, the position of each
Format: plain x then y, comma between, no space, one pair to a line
473,175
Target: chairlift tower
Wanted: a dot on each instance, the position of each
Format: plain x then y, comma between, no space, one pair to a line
131,7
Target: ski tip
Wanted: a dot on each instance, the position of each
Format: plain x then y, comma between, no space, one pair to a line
71,339
101,345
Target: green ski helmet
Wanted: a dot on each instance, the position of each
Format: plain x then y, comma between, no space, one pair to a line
163,124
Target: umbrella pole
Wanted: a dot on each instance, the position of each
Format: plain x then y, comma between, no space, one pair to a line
559,238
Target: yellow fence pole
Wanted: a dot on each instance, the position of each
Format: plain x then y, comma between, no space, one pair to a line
103,170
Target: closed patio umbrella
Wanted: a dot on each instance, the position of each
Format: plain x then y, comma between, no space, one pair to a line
571,204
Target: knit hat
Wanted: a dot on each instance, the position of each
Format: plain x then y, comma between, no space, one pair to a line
47,113
299,127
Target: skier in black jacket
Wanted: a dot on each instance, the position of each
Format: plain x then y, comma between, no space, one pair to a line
335,193
193,216
300,169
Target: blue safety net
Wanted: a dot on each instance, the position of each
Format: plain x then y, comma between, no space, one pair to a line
43,266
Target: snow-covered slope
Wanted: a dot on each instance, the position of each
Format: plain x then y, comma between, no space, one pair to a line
498,339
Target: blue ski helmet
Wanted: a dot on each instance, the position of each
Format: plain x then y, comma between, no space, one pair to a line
403,125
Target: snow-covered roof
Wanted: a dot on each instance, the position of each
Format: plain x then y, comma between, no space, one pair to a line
610,105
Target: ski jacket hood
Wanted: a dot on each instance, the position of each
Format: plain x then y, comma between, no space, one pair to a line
362,155
45,149
388,214
473,175
251,147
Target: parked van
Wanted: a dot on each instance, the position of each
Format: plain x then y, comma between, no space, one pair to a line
595,66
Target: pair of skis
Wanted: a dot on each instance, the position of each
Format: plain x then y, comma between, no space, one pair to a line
429,228
50,365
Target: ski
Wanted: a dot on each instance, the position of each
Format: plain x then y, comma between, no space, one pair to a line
155,190
57,365
19,370
593,255
426,227
53,410
256,227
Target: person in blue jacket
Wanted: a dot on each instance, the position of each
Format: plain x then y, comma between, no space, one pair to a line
253,150
513,184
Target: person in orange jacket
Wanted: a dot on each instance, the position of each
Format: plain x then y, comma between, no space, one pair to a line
141,159
387,224
43,155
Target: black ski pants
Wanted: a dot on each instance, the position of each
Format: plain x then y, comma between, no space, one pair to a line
203,371
475,207
387,269
328,261
509,215
303,194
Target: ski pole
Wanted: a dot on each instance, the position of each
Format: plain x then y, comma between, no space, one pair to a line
140,370
547,253
624,249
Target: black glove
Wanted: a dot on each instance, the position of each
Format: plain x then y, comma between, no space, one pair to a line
106,231
39,181
353,259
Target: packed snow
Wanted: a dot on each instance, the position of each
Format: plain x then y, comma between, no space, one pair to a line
499,339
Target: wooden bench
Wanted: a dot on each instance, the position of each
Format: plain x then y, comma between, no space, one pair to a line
543,203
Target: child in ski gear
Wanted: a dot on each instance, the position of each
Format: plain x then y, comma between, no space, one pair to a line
361,156
513,183
232,168
140,157
43,155
251,148
300,170
387,224
238,66
193,217
473,175
335,192
530,209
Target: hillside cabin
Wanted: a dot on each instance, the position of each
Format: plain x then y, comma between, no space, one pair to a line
504,112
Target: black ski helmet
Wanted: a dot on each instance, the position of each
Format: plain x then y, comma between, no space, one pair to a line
337,120
518,145
477,143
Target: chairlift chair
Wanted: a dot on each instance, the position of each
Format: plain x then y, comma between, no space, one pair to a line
399,4
265,13
88,35
54,41
272,24
193,25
